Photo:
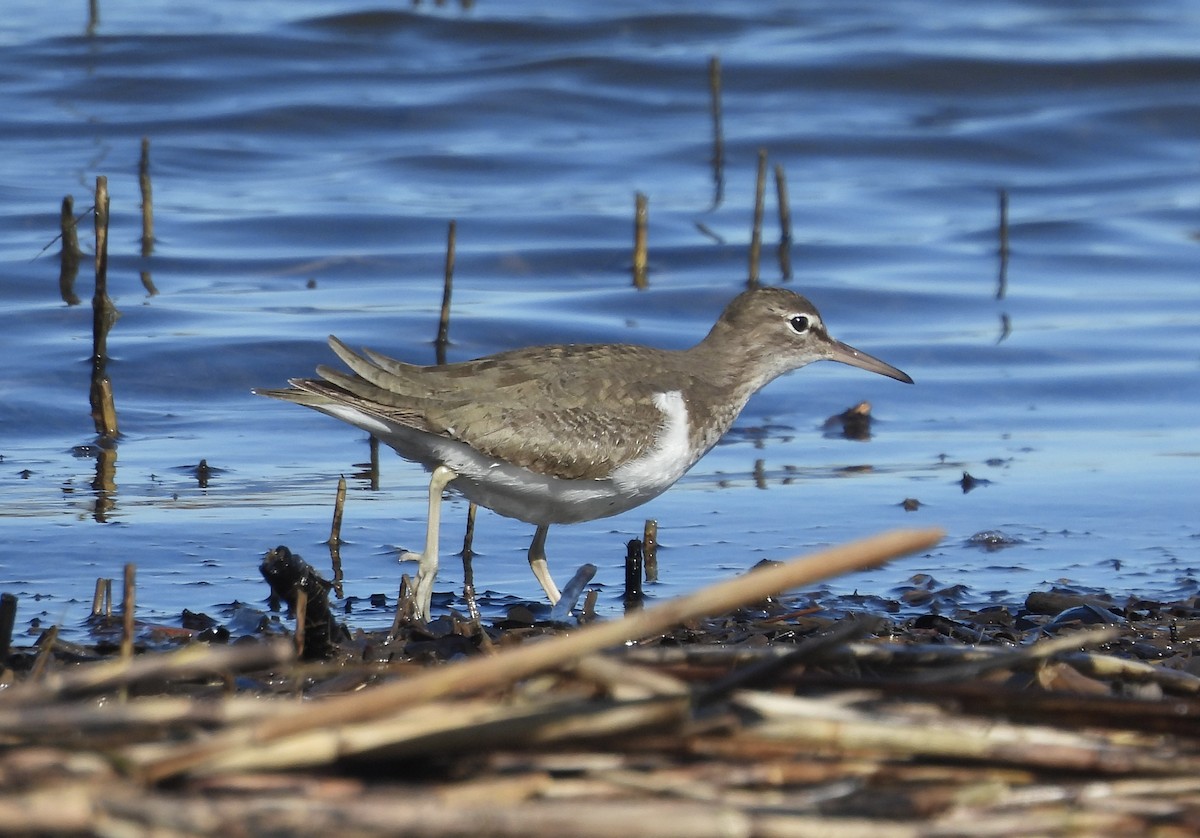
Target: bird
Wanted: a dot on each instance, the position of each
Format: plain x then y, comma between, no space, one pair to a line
564,433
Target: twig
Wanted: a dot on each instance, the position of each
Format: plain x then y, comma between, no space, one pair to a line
190,662
641,214
650,549
443,334
718,153
147,201
760,188
335,535
785,223
127,612
526,660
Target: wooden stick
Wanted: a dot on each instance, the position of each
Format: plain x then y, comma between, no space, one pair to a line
301,612
189,662
373,468
104,314
71,253
650,549
100,311
760,188
529,659
335,535
127,611
718,153
785,223
641,213
46,651
443,334
468,557
634,559
8,618
147,201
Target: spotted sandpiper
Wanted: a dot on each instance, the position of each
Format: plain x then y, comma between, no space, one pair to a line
568,433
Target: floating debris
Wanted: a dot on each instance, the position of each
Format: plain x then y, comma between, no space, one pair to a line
852,423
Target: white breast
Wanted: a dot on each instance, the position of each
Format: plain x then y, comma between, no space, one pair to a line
537,498
669,458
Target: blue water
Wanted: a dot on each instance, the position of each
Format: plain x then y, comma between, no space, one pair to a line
308,156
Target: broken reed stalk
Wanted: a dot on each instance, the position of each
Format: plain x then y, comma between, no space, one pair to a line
104,412
633,574
443,333
373,468
785,223
468,556
760,189
70,255
512,665
100,294
339,505
8,618
100,602
650,549
335,535
147,199
641,213
718,154
198,659
93,17
127,610
301,610
46,644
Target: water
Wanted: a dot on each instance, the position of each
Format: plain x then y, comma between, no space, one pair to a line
307,157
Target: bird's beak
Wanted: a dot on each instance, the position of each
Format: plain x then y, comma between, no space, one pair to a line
846,354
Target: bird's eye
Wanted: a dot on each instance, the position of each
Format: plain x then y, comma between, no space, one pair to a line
800,324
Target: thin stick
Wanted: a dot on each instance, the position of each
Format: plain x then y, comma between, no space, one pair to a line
443,334
100,313
8,618
71,253
640,215
188,662
301,609
718,153
127,610
104,413
98,598
106,408
373,448
335,535
529,659
633,575
760,189
650,549
785,223
147,200
93,16
468,556
46,644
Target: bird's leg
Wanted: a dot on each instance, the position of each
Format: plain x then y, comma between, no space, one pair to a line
537,563
427,565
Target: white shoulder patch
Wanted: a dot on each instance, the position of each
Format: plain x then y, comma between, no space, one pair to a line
668,458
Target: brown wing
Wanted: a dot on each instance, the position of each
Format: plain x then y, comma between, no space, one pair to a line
542,407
